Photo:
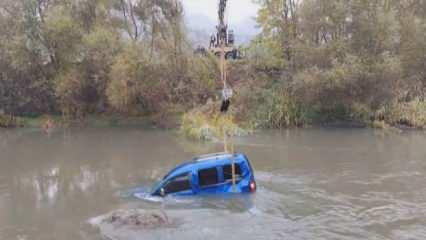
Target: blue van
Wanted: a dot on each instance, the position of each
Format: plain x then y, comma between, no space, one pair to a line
209,174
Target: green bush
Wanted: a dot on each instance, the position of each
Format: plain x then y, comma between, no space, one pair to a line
130,75
210,126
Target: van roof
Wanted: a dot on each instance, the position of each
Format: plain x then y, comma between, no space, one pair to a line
205,161
212,156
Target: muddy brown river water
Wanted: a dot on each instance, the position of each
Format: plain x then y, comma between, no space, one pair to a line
312,184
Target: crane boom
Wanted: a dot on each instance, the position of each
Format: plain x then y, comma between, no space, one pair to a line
222,27
222,9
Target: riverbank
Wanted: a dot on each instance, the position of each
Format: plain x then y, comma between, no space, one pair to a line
9,121
199,125
95,121
204,123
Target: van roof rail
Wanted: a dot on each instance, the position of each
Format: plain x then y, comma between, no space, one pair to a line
211,155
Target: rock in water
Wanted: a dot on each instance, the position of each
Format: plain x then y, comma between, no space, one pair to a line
128,222
198,224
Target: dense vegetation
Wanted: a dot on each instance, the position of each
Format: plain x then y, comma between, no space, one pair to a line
324,61
80,57
315,61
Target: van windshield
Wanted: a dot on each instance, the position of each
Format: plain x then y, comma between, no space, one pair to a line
178,184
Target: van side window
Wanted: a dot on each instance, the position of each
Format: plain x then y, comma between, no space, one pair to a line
208,177
227,172
178,184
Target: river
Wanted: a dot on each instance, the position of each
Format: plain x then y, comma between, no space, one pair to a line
312,184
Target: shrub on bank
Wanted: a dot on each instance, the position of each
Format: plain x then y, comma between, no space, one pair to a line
209,126
275,108
409,114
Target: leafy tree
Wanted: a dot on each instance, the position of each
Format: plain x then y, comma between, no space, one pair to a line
130,78
99,49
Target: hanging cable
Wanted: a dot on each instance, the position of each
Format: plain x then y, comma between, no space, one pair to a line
226,91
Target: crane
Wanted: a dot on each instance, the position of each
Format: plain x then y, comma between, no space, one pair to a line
223,38
222,49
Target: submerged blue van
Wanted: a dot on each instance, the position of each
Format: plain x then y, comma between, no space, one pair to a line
209,174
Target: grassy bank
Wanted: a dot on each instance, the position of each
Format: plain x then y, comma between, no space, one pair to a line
287,113
213,127
9,121
95,121
278,110
269,109
204,123
407,114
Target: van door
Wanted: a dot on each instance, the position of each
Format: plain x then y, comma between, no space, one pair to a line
208,180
